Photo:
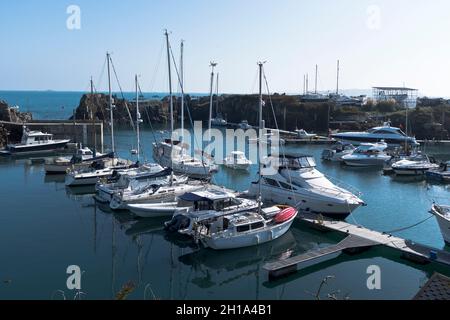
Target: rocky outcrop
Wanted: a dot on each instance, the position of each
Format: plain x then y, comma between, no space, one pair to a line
10,114
10,133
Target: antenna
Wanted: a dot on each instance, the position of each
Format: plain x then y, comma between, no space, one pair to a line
338,70
315,88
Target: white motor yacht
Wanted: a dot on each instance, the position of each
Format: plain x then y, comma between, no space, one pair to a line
368,155
415,165
299,184
336,152
237,160
302,134
83,158
391,135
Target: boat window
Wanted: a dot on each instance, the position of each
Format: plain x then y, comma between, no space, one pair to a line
243,228
204,205
311,161
271,182
304,162
285,185
257,225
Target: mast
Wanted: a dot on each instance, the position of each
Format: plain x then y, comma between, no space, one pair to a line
337,83
212,65
138,119
166,33
217,94
108,57
92,117
315,88
307,83
261,127
182,89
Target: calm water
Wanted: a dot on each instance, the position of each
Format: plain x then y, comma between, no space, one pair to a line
46,227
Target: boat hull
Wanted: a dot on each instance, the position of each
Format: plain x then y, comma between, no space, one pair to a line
365,162
248,239
444,224
156,210
38,148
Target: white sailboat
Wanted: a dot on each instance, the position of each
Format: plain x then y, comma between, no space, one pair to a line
237,160
98,171
173,154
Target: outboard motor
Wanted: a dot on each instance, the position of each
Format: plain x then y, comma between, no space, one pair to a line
178,222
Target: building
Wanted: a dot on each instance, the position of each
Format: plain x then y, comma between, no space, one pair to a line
406,97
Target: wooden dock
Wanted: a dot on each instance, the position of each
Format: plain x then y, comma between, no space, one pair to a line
357,238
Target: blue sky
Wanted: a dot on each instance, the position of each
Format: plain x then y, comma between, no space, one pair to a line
407,45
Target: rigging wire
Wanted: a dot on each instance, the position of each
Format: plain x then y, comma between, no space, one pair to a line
123,97
187,107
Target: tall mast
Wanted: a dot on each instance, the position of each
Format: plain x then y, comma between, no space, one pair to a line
337,84
138,120
182,88
261,127
108,57
92,117
217,94
212,65
315,88
166,33
307,83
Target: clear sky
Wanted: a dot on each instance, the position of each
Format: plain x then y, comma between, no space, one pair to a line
379,42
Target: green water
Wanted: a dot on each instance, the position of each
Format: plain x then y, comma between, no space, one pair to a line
45,227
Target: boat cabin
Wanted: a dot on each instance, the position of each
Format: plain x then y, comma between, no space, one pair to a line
297,162
237,223
35,137
205,200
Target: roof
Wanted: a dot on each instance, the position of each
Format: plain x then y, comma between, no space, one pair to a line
396,88
205,195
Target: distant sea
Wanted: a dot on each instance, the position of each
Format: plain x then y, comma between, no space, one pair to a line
50,105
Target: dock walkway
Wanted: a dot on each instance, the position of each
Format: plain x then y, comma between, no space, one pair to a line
358,237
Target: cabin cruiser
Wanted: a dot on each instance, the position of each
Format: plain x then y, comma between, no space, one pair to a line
368,155
302,134
442,214
173,155
131,179
96,171
337,151
237,160
391,135
35,142
415,165
155,193
196,202
299,184
83,158
244,229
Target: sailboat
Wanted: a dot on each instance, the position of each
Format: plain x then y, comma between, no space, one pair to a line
99,170
222,230
218,121
173,154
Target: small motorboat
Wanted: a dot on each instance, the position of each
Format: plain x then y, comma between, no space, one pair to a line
219,121
246,229
416,165
368,155
337,151
237,160
302,134
441,175
442,214
35,142
83,158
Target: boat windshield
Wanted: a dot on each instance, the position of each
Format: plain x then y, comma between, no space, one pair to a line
300,162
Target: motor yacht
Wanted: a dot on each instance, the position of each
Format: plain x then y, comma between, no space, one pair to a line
368,155
237,160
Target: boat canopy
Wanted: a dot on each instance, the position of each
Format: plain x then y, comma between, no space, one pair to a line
206,195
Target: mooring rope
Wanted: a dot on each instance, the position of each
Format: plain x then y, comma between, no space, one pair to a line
410,227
